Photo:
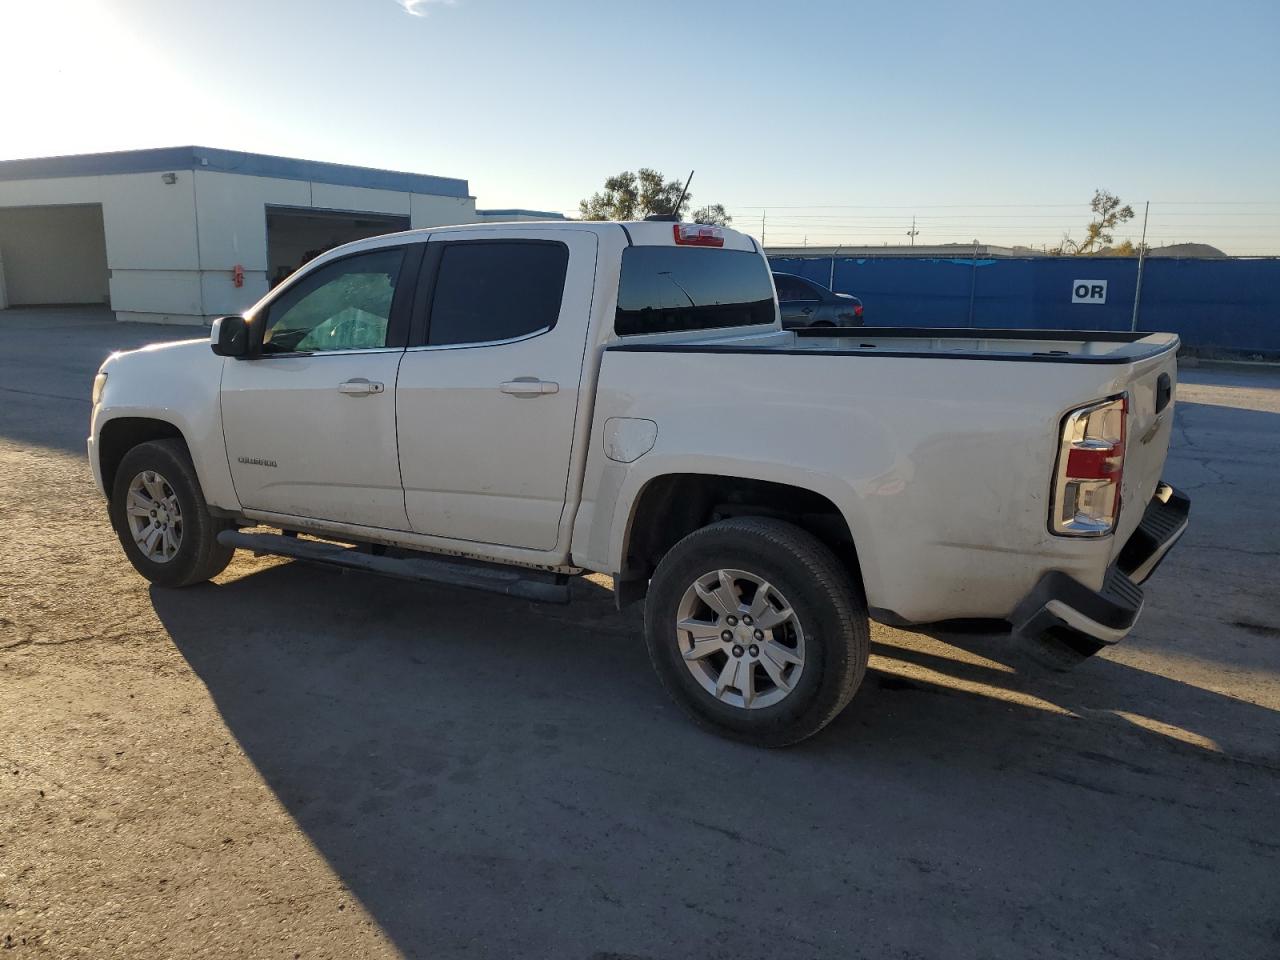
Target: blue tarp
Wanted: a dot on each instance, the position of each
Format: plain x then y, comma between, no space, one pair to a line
1230,304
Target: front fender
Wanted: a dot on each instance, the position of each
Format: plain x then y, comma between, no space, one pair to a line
178,384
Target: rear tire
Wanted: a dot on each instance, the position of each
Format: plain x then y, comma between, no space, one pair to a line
160,515
768,670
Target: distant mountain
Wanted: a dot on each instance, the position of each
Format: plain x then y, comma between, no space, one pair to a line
1186,250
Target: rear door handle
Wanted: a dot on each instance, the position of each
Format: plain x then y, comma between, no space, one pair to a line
529,387
360,387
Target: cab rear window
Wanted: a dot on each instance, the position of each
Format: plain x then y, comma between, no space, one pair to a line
670,289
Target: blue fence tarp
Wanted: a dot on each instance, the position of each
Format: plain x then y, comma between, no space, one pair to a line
1231,304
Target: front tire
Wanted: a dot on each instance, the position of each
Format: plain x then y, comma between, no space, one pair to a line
161,517
756,630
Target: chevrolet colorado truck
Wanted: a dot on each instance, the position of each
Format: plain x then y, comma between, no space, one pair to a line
505,406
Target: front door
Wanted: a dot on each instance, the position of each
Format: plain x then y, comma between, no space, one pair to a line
488,397
310,424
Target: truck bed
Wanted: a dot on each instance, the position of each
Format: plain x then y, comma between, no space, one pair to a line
942,470
1052,346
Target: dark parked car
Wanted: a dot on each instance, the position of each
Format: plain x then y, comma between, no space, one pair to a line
808,304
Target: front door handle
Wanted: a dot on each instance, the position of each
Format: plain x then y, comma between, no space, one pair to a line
360,387
529,387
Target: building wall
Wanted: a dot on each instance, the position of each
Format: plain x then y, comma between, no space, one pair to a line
152,247
171,249
53,254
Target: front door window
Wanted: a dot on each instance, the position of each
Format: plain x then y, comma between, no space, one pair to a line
345,305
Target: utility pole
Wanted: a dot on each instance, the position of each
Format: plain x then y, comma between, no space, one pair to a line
913,232
1142,259
973,279
763,214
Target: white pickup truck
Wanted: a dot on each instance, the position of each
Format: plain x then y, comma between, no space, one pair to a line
505,406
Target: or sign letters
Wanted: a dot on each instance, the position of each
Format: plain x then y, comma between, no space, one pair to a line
1088,291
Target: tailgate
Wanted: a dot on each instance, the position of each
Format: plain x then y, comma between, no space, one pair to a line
1151,389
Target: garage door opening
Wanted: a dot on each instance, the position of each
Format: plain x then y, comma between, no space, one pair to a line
53,255
296,236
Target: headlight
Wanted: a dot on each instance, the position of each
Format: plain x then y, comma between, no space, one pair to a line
99,383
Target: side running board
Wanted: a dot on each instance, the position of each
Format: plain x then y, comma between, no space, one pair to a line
494,578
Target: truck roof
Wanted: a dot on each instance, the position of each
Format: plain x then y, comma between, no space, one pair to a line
637,232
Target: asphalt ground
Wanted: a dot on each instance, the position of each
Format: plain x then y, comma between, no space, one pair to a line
292,762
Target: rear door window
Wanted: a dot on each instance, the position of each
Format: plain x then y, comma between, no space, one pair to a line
669,289
491,290
792,288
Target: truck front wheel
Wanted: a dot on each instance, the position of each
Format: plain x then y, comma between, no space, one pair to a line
160,515
756,630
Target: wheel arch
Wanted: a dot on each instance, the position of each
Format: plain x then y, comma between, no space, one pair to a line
120,435
669,506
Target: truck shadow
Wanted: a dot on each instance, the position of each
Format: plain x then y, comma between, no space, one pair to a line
449,751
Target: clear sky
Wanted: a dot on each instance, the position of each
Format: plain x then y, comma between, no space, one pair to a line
843,119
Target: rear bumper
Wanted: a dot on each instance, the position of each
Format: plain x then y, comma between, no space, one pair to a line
1061,606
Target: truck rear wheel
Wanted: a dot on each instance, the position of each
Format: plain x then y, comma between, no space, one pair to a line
160,515
756,630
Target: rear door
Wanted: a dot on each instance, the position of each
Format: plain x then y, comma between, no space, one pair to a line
797,301
310,424
488,389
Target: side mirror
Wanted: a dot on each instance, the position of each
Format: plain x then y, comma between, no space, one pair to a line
230,337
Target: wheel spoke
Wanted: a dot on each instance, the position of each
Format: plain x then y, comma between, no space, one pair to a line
705,636
728,676
772,617
170,543
699,629
774,670
746,682
153,537
723,599
155,488
760,605
704,648
779,654
136,506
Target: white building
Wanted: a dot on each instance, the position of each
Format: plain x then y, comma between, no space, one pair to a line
185,234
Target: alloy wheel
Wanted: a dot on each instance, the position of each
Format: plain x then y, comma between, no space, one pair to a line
155,517
740,638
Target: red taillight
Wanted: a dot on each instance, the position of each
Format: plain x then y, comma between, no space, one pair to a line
1099,462
1086,488
857,311
697,235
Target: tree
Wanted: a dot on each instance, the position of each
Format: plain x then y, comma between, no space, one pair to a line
634,196
1067,248
1108,213
714,214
